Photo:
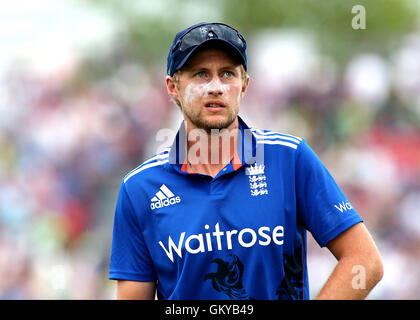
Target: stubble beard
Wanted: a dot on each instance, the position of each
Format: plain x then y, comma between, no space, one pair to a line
210,127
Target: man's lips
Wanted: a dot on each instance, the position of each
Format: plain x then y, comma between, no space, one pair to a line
215,105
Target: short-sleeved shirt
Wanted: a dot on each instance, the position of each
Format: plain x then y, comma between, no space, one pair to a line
238,235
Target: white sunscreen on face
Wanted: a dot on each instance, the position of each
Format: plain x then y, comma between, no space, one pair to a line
193,91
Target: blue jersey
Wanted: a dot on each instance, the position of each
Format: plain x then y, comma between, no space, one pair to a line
239,235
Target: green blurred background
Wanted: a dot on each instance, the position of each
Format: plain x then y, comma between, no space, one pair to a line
82,97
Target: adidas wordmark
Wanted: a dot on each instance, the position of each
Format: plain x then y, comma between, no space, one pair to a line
163,198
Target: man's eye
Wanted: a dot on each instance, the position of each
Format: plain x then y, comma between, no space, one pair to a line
200,74
228,74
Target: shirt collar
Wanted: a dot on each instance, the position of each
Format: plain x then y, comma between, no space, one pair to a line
248,150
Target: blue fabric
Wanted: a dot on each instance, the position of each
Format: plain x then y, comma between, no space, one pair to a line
177,58
239,235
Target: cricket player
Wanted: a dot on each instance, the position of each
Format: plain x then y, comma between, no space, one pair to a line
223,213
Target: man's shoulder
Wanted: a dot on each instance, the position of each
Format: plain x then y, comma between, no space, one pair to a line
277,140
149,166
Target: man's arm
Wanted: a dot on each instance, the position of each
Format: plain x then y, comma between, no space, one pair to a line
135,290
359,266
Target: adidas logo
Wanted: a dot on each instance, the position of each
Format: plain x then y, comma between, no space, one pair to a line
163,198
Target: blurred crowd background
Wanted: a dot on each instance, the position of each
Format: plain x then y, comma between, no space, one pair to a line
82,96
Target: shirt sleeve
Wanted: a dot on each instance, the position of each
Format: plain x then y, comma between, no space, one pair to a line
321,204
130,258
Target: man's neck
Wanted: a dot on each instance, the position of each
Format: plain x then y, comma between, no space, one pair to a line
210,152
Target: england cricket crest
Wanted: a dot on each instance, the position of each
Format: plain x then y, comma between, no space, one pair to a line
257,179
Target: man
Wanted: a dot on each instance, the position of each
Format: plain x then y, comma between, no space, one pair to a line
223,212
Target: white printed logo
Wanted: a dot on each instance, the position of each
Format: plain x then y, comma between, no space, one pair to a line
163,198
264,236
343,206
257,180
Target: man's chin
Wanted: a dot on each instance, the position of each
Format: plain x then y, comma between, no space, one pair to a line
214,124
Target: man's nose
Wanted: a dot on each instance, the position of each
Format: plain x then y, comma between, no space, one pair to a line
215,87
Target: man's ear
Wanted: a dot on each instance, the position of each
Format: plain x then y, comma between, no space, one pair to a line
245,86
170,87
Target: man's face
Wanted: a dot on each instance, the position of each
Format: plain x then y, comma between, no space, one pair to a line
210,87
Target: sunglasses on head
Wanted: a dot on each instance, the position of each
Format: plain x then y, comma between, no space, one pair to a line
209,31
